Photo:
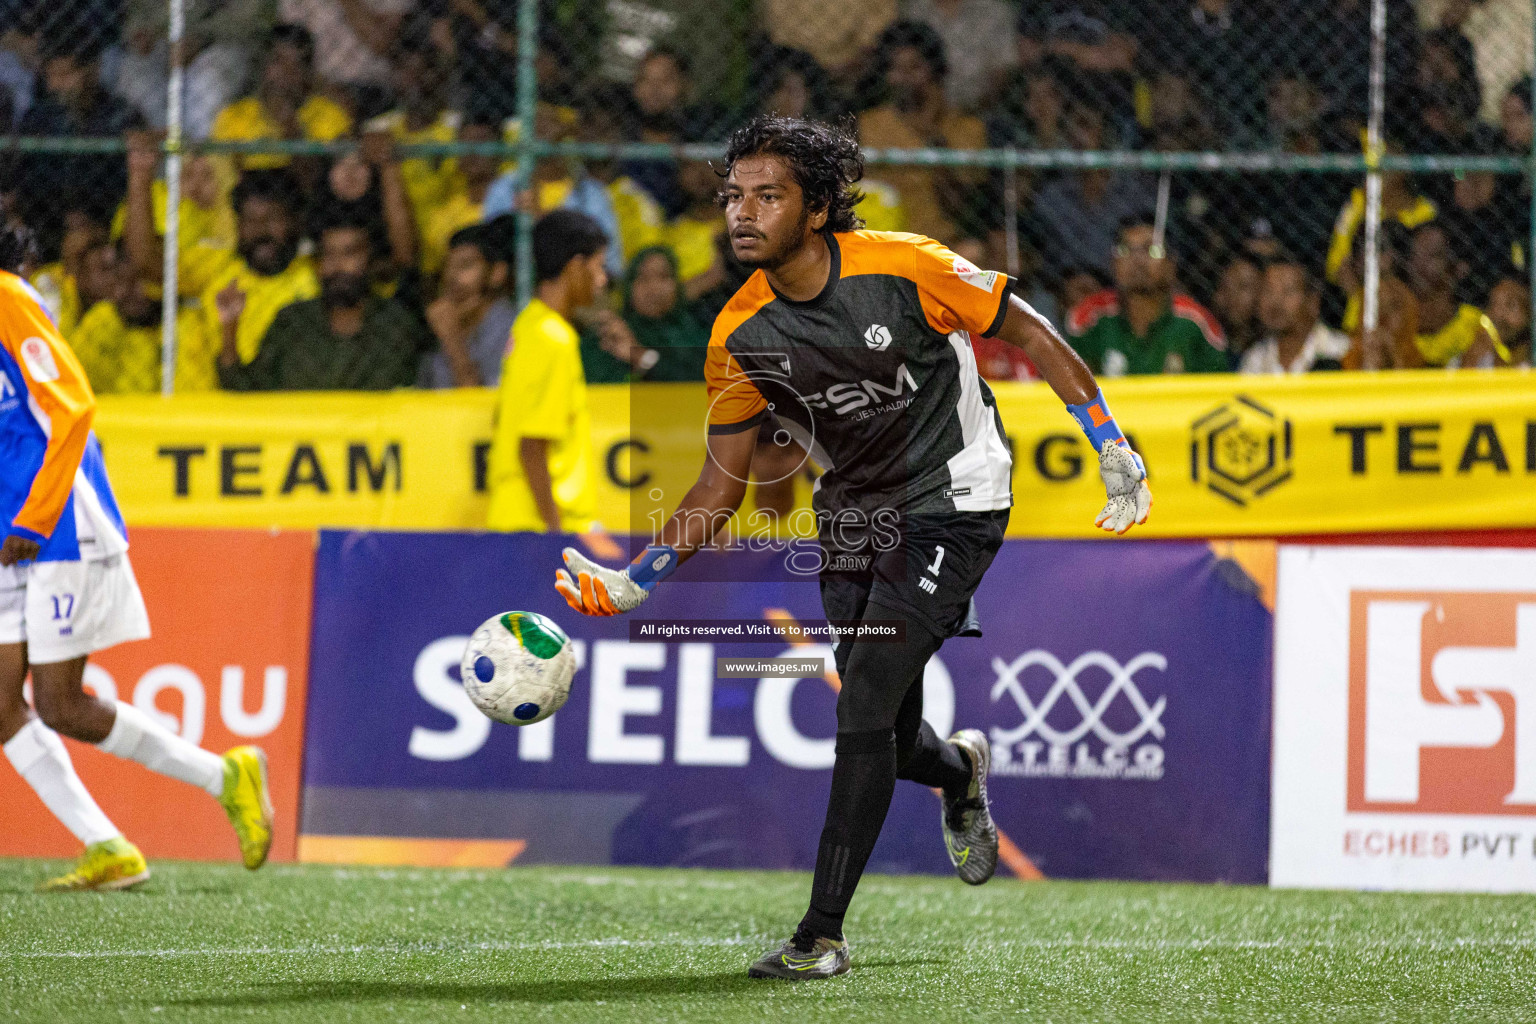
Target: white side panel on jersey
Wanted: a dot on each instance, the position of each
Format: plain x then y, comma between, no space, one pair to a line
93,526
984,464
44,421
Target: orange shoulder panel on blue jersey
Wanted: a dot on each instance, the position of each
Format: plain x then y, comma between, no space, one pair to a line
60,403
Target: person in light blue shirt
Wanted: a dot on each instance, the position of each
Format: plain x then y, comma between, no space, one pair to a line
588,196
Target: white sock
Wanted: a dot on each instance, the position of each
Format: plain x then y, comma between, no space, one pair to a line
37,753
138,737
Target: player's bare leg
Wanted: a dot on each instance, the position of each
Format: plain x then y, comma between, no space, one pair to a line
39,756
238,779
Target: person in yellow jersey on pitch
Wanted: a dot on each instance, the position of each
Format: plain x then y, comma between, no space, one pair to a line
542,475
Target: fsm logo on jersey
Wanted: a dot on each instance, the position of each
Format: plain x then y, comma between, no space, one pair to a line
1405,719
1086,719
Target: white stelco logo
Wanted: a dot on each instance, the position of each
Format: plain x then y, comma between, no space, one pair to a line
624,719
878,337
1092,747
847,397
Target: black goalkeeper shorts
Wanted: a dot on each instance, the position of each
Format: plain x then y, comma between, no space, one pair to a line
931,574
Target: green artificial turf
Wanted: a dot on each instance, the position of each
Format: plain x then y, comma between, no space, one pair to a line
213,943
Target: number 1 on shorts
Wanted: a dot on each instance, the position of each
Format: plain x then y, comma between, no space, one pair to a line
938,559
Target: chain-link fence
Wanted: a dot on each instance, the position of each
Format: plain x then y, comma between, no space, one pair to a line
1177,184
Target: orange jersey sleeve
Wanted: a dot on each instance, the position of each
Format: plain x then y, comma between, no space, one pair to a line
955,293
59,397
735,403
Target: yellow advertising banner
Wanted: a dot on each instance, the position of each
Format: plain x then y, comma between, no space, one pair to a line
1228,456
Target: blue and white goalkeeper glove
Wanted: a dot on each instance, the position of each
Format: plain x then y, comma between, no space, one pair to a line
1123,472
593,589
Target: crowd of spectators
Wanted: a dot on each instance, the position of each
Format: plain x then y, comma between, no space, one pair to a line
374,269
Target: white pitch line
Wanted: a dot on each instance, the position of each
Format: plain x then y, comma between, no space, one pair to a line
1149,945
1158,945
400,950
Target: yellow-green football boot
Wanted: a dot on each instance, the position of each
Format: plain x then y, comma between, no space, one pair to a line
970,837
248,803
803,958
114,864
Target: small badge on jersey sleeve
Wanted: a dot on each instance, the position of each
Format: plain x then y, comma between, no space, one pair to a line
37,357
974,276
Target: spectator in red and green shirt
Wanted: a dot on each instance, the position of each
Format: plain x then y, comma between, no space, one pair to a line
1141,325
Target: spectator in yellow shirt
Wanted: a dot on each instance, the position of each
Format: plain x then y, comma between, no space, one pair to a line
119,339
205,239
465,204
241,302
695,235
284,105
421,116
542,468
1509,307
1400,202
1451,332
59,282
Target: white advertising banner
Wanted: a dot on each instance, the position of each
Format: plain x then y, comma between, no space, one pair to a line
1405,719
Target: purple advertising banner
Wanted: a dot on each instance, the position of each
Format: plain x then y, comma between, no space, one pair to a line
1125,686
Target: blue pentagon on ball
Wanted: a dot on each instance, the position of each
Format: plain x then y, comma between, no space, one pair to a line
525,711
485,669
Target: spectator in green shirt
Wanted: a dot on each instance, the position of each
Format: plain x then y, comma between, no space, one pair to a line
348,339
656,338
1141,325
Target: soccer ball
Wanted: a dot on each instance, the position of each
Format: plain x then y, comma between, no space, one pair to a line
518,668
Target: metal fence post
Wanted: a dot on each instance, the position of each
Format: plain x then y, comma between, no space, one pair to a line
1013,263
1370,312
169,301
527,106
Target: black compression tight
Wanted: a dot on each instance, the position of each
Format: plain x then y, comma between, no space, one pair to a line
881,736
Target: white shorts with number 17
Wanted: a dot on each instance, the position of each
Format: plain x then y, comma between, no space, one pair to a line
65,610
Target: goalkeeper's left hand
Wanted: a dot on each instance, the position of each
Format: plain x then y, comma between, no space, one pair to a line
598,590
1125,480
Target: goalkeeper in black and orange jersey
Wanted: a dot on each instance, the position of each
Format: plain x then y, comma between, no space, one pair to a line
855,344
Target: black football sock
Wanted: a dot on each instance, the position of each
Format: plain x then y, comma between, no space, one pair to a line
863,779
930,761
921,756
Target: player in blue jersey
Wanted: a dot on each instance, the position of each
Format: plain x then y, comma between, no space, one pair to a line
67,590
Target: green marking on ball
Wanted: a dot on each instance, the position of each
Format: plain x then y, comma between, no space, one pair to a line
539,636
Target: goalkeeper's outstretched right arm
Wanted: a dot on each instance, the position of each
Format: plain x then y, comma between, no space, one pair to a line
1123,472
722,484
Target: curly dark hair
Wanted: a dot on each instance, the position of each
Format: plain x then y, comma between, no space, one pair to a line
823,158
18,247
